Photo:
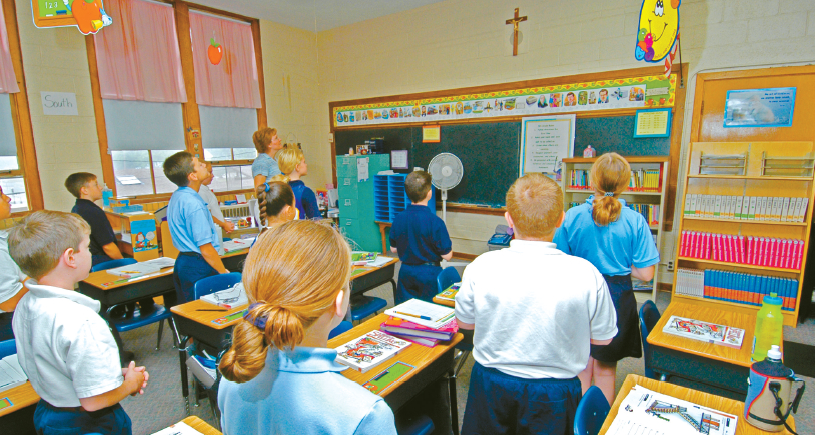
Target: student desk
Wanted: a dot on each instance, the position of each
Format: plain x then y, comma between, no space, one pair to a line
709,400
432,363
198,325
20,415
710,364
200,425
233,261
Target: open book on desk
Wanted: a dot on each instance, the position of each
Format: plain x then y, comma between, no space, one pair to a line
424,313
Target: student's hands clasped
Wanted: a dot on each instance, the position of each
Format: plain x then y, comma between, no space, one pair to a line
138,376
228,227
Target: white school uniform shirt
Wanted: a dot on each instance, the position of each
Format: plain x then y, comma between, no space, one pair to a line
11,277
535,310
215,210
64,346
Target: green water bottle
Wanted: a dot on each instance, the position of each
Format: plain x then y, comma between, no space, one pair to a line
769,326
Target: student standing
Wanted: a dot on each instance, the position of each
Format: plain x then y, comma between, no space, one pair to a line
535,312
421,240
618,241
267,145
63,345
11,277
191,226
292,163
280,374
214,207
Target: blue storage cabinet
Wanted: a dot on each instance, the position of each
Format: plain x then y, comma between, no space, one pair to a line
357,199
390,198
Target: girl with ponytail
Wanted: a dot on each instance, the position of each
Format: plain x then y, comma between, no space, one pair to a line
280,376
618,242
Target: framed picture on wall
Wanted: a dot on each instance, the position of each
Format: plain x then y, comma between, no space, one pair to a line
759,107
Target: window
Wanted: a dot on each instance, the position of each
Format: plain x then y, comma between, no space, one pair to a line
11,177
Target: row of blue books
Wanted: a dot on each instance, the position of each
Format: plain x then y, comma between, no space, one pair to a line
749,289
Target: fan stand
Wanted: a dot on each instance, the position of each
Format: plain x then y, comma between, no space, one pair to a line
445,263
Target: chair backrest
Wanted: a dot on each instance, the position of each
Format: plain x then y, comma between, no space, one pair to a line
7,347
113,263
339,329
446,278
215,283
649,316
591,412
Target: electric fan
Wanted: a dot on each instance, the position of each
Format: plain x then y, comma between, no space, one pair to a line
447,171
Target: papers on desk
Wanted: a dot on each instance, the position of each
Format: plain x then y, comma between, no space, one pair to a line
11,373
232,297
134,270
380,261
179,428
161,262
647,412
236,245
424,313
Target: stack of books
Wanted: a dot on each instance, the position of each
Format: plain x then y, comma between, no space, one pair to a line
421,322
743,288
758,251
758,208
450,293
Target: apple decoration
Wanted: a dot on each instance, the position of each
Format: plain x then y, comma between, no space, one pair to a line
214,52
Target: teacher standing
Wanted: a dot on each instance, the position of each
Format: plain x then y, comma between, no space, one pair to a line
267,144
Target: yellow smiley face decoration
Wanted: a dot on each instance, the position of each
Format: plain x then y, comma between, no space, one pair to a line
659,27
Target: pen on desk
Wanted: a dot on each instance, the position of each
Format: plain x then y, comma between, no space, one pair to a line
208,309
413,315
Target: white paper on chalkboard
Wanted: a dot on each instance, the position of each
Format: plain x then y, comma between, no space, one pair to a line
545,142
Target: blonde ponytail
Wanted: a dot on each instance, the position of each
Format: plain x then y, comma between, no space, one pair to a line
312,264
610,176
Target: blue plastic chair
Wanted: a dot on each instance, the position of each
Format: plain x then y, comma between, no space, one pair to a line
591,412
649,316
138,319
113,263
421,425
446,278
8,347
215,283
363,306
339,329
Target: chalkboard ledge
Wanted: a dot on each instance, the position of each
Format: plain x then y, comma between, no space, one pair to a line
473,209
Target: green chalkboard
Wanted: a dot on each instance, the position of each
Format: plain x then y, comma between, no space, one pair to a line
490,152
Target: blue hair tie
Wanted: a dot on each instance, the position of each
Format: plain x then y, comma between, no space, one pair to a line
609,194
259,321
267,186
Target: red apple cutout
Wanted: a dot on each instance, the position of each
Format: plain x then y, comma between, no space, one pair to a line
215,52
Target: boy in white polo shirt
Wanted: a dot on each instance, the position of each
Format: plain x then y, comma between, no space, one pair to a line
63,345
535,311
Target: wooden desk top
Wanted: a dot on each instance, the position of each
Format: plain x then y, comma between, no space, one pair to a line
98,279
190,310
20,396
416,355
369,269
445,302
722,316
200,425
711,401
235,253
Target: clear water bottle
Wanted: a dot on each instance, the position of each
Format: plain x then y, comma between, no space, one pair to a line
769,327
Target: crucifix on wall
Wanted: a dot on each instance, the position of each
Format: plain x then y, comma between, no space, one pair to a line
515,21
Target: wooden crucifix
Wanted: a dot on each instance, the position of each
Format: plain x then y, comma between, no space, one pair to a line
514,22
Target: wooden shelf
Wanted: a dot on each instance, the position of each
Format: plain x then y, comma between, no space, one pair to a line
752,177
740,265
631,159
790,317
591,192
742,221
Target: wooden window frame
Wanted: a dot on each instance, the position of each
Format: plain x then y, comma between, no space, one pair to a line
189,110
21,118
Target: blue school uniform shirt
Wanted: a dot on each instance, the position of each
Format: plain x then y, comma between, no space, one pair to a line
420,236
305,199
265,165
301,391
613,248
190,222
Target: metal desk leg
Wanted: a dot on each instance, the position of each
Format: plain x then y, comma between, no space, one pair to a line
451,380
182,358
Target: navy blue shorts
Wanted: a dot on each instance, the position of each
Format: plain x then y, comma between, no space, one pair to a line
190,267
417,282
49,420
499,403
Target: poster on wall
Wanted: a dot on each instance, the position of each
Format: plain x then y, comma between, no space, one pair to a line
545,142
88,16
658,32
629,93
759,107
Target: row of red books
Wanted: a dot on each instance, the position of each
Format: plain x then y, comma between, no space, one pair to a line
758,251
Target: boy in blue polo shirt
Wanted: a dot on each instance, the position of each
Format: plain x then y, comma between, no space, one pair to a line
191,226
421,240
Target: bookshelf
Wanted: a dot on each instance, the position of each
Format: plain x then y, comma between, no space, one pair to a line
655,197
741,170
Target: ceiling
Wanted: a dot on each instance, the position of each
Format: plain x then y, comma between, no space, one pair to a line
314,15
